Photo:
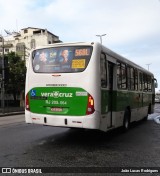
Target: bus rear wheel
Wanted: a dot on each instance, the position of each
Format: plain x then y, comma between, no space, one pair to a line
149,112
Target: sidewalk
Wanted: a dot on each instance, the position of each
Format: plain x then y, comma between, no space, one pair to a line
9,111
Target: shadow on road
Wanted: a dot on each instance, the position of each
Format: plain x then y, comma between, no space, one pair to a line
87,137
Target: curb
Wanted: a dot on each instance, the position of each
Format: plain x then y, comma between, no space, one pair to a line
11,113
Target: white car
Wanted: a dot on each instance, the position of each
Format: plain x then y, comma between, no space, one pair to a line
157,100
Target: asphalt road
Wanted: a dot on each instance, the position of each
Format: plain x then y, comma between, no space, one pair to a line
24,145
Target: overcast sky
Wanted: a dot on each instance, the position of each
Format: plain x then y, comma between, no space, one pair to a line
132,27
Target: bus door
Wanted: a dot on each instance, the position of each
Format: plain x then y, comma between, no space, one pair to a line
106,91
110,92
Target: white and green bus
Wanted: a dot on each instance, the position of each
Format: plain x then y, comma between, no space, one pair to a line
86,85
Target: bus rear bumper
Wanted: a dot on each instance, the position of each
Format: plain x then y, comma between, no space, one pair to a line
89,121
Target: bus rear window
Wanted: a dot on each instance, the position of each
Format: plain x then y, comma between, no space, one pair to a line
61,59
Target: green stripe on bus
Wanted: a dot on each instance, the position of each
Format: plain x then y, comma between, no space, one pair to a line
119,100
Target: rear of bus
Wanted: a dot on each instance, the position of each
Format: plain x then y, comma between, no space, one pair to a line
62,86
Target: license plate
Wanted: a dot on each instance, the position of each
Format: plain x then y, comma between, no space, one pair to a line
55,109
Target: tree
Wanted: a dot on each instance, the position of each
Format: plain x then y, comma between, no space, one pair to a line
16,75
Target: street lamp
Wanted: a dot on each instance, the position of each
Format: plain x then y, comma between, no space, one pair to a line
148,65
100,36
3,77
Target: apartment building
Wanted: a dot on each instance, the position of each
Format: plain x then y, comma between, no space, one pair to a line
22,42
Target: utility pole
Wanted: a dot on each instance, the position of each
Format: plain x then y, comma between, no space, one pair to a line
100,36
3,77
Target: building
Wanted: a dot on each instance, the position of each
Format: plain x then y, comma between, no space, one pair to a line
25,40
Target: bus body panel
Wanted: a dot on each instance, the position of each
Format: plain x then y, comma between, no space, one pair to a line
89,122
58,100
49,93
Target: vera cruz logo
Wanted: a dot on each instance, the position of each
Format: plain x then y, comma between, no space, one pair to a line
56,94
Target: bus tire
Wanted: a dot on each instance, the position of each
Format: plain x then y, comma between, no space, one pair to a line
149,109
145,118
149,112
126,120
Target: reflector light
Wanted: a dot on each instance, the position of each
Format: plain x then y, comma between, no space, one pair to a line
90,105
27,102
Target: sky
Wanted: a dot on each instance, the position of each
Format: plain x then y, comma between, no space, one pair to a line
132,27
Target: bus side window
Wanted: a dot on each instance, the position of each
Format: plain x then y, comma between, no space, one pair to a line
131,78
149,83
124,76
121,76
140,81
136,79
103,71
145,84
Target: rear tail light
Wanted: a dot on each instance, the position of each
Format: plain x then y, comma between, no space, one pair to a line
90,105
27,102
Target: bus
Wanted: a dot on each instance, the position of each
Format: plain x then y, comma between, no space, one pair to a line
86,85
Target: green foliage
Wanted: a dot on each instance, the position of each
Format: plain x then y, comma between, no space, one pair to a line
16,75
